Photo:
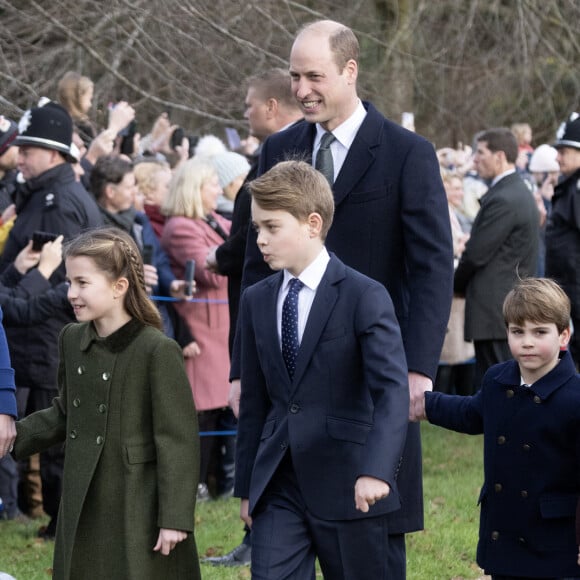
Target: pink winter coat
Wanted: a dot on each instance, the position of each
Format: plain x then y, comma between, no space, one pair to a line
183,239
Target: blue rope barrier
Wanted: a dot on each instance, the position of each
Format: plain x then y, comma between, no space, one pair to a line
214,433
171,299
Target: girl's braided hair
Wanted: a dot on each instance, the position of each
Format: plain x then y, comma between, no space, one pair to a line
116,254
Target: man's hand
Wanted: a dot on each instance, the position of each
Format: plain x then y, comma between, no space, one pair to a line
7,434
211,261
234,397
27,258
168,539
50,257
103,144
245,512
418,385
369,490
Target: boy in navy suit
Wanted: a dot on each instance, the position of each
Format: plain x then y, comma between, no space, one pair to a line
325,401
528,410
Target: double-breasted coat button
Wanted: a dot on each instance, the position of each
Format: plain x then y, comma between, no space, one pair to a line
100,440
73,434
81,370
77,403
526,447
509,393
106,376
494,535
102,408
524,493
497,487
501,440
294,408
537,400
522,540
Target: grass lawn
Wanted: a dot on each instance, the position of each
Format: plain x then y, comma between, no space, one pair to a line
445,550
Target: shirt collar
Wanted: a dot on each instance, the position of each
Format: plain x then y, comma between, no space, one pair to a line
346,131
501,176
312,274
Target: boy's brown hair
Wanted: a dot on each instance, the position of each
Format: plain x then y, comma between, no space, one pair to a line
538,300
297,188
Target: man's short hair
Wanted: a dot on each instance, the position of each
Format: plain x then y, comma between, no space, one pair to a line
108,169
500,139
538,300
297,188
273,83
343,42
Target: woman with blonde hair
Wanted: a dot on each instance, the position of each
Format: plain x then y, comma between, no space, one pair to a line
153,179
192,230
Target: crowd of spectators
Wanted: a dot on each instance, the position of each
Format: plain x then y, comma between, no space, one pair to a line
175,194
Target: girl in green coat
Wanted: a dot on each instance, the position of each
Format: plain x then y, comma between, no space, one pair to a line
126,413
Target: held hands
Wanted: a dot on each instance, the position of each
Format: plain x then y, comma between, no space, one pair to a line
418,384
7,434
369,490
168,539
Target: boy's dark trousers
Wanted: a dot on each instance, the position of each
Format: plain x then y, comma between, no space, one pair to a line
287,538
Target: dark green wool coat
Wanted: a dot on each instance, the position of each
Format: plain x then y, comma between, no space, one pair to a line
126,412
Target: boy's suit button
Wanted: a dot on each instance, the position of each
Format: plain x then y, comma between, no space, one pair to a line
537,400
294,408
501,440
498,487
509,393
494,535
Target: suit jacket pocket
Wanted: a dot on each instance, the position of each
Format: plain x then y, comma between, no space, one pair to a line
558,506
348,430
268,429
141,453
366,196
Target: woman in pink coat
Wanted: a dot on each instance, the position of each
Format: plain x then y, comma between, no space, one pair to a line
193,229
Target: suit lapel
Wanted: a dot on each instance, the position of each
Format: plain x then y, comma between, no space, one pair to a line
361,154
269,324
323,305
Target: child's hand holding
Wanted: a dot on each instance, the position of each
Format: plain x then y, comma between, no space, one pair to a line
168,539
368,491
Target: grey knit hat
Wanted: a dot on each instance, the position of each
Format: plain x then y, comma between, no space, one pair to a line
228,166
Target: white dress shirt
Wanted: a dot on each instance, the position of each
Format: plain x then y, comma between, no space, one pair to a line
345,134
310,277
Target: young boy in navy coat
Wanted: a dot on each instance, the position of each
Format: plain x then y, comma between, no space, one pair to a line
528,410
325,399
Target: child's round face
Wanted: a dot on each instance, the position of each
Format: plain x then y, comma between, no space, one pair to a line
285,242
536,347
92,294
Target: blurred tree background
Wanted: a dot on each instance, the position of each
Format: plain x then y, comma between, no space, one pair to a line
459,65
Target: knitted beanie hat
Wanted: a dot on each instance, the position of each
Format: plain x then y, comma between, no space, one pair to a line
228,166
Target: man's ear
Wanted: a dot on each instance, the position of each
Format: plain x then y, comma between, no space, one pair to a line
351,71
271,108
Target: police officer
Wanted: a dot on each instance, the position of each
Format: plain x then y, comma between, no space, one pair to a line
563,227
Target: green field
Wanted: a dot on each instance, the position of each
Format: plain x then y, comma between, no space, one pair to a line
445,550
